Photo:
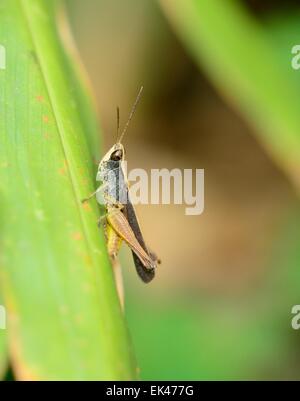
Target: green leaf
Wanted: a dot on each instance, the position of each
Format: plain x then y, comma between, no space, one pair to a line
241,60
64,316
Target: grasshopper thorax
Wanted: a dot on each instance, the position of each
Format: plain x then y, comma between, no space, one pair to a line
111,161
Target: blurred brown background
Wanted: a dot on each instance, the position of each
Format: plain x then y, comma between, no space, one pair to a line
182,122
223,255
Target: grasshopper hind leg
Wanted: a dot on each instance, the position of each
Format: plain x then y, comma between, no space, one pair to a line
113,246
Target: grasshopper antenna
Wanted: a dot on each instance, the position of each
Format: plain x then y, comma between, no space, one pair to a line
118,121
131,114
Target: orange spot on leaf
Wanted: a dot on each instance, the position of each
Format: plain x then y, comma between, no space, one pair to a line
86,206
77,236
46,119
40,98
62,171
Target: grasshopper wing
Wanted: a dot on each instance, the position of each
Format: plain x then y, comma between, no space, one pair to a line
144,273
118,221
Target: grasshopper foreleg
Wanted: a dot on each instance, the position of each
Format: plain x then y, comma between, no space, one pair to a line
100,188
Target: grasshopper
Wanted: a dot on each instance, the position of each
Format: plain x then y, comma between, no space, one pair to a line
121,223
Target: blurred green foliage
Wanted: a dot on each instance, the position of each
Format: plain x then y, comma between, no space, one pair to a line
188,336
247,68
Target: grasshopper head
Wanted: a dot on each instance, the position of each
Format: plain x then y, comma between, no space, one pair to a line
115,153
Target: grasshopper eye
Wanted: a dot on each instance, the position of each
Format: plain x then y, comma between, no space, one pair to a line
116,155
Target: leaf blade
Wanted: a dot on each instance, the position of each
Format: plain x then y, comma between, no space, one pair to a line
58,284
